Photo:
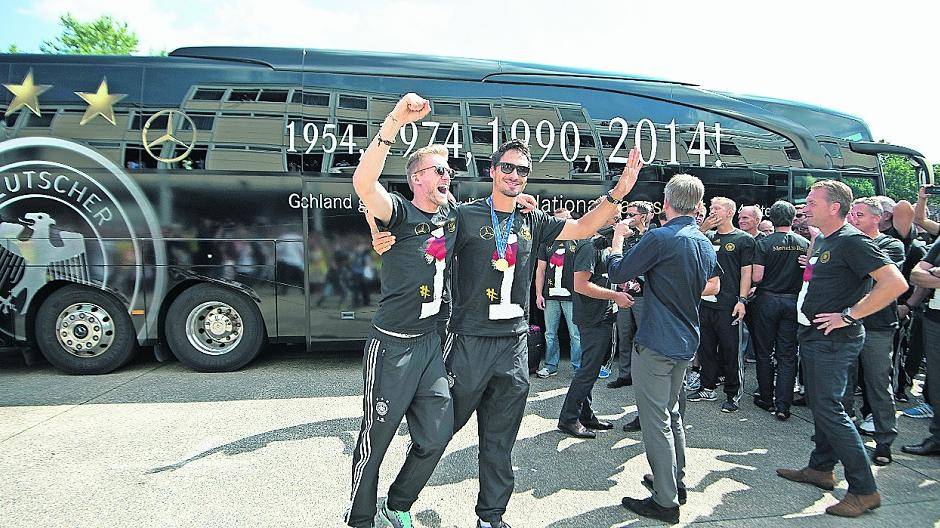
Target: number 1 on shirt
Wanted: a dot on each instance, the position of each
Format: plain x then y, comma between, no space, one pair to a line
505,309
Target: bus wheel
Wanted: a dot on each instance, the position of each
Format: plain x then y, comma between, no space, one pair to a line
214,329
85,331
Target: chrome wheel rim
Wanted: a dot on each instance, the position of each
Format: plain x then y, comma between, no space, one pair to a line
214,328
85,330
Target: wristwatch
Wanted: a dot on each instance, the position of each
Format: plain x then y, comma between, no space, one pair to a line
847,317
611,199
742,300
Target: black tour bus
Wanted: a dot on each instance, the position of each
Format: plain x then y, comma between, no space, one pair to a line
202,203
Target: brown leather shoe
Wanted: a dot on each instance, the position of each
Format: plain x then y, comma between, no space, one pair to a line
855,505
821,479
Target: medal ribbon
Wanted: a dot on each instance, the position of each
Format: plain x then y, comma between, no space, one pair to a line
502,239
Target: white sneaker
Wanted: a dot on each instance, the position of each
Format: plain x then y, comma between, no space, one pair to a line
544,372
867,426
693,381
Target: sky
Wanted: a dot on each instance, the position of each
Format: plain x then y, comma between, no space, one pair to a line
873,60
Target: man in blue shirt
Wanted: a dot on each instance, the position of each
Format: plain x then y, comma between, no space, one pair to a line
678,262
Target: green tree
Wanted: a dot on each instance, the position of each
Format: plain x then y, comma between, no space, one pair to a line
104,36
900,177
13,49
860,186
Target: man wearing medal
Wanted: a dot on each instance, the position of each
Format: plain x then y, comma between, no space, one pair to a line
486,353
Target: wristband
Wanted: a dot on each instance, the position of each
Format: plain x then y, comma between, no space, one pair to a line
742,300
611,199
847,317
379,139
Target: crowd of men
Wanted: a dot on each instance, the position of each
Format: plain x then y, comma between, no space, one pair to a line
814,295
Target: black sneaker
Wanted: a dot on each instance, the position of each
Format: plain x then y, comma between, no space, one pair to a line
702,395
764,404
729,406
648,508
782,415
620,382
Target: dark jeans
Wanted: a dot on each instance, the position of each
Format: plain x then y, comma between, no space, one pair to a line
720,351
914,352
826,367
595,343
932,351
874,370
774,329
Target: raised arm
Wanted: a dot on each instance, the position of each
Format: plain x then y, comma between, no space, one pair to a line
410,108
596,218
920,213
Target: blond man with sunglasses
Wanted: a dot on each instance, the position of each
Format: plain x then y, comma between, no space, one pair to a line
403,370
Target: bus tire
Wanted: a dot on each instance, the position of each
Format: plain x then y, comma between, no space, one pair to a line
81,330
214,329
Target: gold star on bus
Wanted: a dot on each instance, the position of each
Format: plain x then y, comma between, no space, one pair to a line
26,94
100,103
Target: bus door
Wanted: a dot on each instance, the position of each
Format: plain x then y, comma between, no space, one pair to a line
342,272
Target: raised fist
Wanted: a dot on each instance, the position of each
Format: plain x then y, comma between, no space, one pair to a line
411,108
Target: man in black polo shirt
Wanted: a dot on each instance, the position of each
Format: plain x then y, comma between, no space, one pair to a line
486,352
875,357
831,304
779,277
720,346
594,316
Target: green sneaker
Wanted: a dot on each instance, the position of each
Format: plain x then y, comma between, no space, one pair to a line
397,519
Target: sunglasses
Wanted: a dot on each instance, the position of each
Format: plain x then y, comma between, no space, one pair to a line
440,169
635,214
507,168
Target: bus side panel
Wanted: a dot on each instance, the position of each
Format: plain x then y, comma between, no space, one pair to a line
69,209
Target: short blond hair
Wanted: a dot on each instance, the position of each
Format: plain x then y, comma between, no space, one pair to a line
416,156
727,203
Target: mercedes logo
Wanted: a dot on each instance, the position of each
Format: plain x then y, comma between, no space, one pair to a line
169,136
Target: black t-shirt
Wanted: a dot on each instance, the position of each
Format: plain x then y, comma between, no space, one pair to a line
933,300
480,302
779,253
735,250
916,252
887,317
413,269
591,256
559,264
911,236
838,278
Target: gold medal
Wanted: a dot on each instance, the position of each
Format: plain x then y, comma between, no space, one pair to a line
501,265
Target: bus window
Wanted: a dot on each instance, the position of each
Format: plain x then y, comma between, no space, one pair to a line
861,186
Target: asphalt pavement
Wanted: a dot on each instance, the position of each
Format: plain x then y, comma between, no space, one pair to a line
155,444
